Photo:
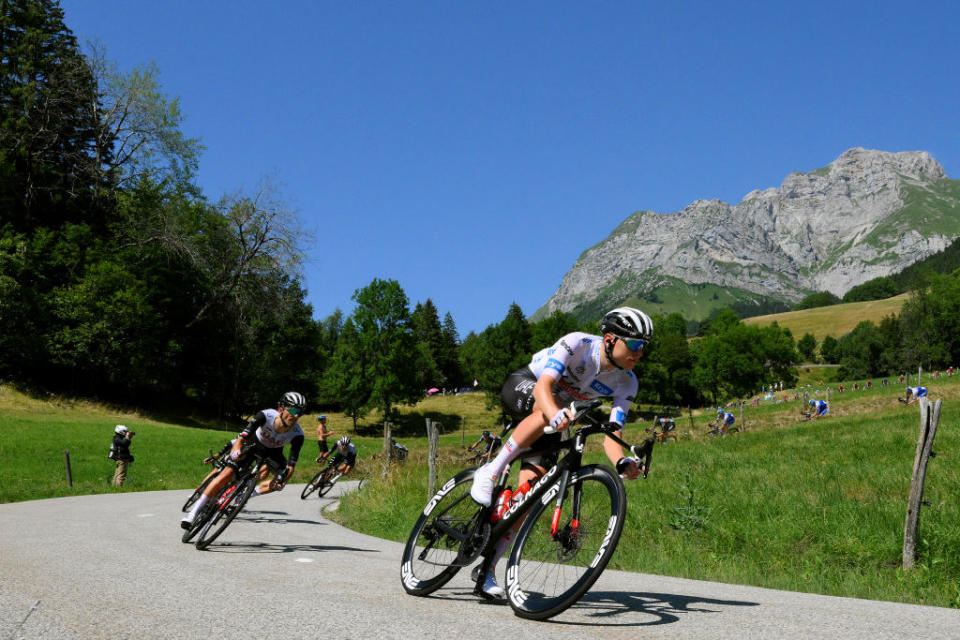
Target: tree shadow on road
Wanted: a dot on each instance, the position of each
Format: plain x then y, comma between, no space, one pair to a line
663,608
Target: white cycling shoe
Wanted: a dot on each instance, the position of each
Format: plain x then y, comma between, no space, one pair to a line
490,586
482,489
187,522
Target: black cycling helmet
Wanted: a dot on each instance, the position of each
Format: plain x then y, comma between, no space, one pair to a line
628,323
293,399
485,434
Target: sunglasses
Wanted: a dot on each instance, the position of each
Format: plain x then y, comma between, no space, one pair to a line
635,345
295,412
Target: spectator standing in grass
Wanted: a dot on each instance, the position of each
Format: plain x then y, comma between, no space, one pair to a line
120,452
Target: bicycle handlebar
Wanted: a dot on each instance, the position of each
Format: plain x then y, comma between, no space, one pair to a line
582,410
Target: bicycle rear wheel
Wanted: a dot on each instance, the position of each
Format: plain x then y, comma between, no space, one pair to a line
312,485
548,573
225,511
430,557
327,483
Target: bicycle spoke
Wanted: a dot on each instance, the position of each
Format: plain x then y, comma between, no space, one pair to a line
433,551
547,573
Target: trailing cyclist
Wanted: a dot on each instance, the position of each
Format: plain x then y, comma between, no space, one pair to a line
344,456
267,433
914,393
724,420
818,408
491,443
579,366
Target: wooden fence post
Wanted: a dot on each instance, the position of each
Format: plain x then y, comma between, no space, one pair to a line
387,449
433,436
929,419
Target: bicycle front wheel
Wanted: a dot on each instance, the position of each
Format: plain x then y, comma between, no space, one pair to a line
430,558
549,571
327,482
312,485
226,511
198,492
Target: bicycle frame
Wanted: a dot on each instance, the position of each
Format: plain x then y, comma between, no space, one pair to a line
552,485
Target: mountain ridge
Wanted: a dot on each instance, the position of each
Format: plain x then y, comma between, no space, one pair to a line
867,214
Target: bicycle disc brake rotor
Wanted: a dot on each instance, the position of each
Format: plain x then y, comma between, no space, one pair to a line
472,546
569,542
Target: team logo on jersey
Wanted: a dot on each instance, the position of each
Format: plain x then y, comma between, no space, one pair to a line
556,365
580,370
601,388
563,343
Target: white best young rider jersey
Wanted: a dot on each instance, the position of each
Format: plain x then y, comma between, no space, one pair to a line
574,362
270,437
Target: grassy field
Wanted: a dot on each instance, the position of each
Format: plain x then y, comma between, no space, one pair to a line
837,320
807,506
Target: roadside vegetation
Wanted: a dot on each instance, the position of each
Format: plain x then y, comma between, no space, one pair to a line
807,506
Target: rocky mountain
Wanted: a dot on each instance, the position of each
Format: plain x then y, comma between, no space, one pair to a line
867,214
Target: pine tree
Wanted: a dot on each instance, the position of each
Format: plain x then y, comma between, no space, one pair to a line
48,123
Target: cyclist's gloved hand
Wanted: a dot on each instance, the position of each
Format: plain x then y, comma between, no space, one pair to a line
282,478
560,420
628,468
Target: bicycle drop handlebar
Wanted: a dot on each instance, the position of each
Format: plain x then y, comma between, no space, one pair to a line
582,410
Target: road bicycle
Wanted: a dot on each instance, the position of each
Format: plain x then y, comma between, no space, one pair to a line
220,512
662,431
558,553
323,480
218,464
720,430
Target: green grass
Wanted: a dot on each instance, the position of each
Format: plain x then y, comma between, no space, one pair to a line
836,320
806,506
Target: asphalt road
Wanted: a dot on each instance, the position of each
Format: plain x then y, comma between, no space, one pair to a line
113,566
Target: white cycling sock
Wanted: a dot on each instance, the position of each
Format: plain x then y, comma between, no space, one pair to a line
501,547
505,456
199,504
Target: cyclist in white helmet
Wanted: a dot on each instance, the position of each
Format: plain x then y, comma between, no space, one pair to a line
269,431
579,366
344,455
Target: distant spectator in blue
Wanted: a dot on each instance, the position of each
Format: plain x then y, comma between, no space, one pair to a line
818,408
915,393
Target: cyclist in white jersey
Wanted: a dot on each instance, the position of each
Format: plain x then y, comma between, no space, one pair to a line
268,432
579,366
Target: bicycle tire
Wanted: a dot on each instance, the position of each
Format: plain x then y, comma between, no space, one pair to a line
223,515
547,574
327,484
312,485
197,493
198,523
430,557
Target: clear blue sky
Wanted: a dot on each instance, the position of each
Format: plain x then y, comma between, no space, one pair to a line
472,150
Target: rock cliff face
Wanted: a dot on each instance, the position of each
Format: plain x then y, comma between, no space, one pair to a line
867,214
